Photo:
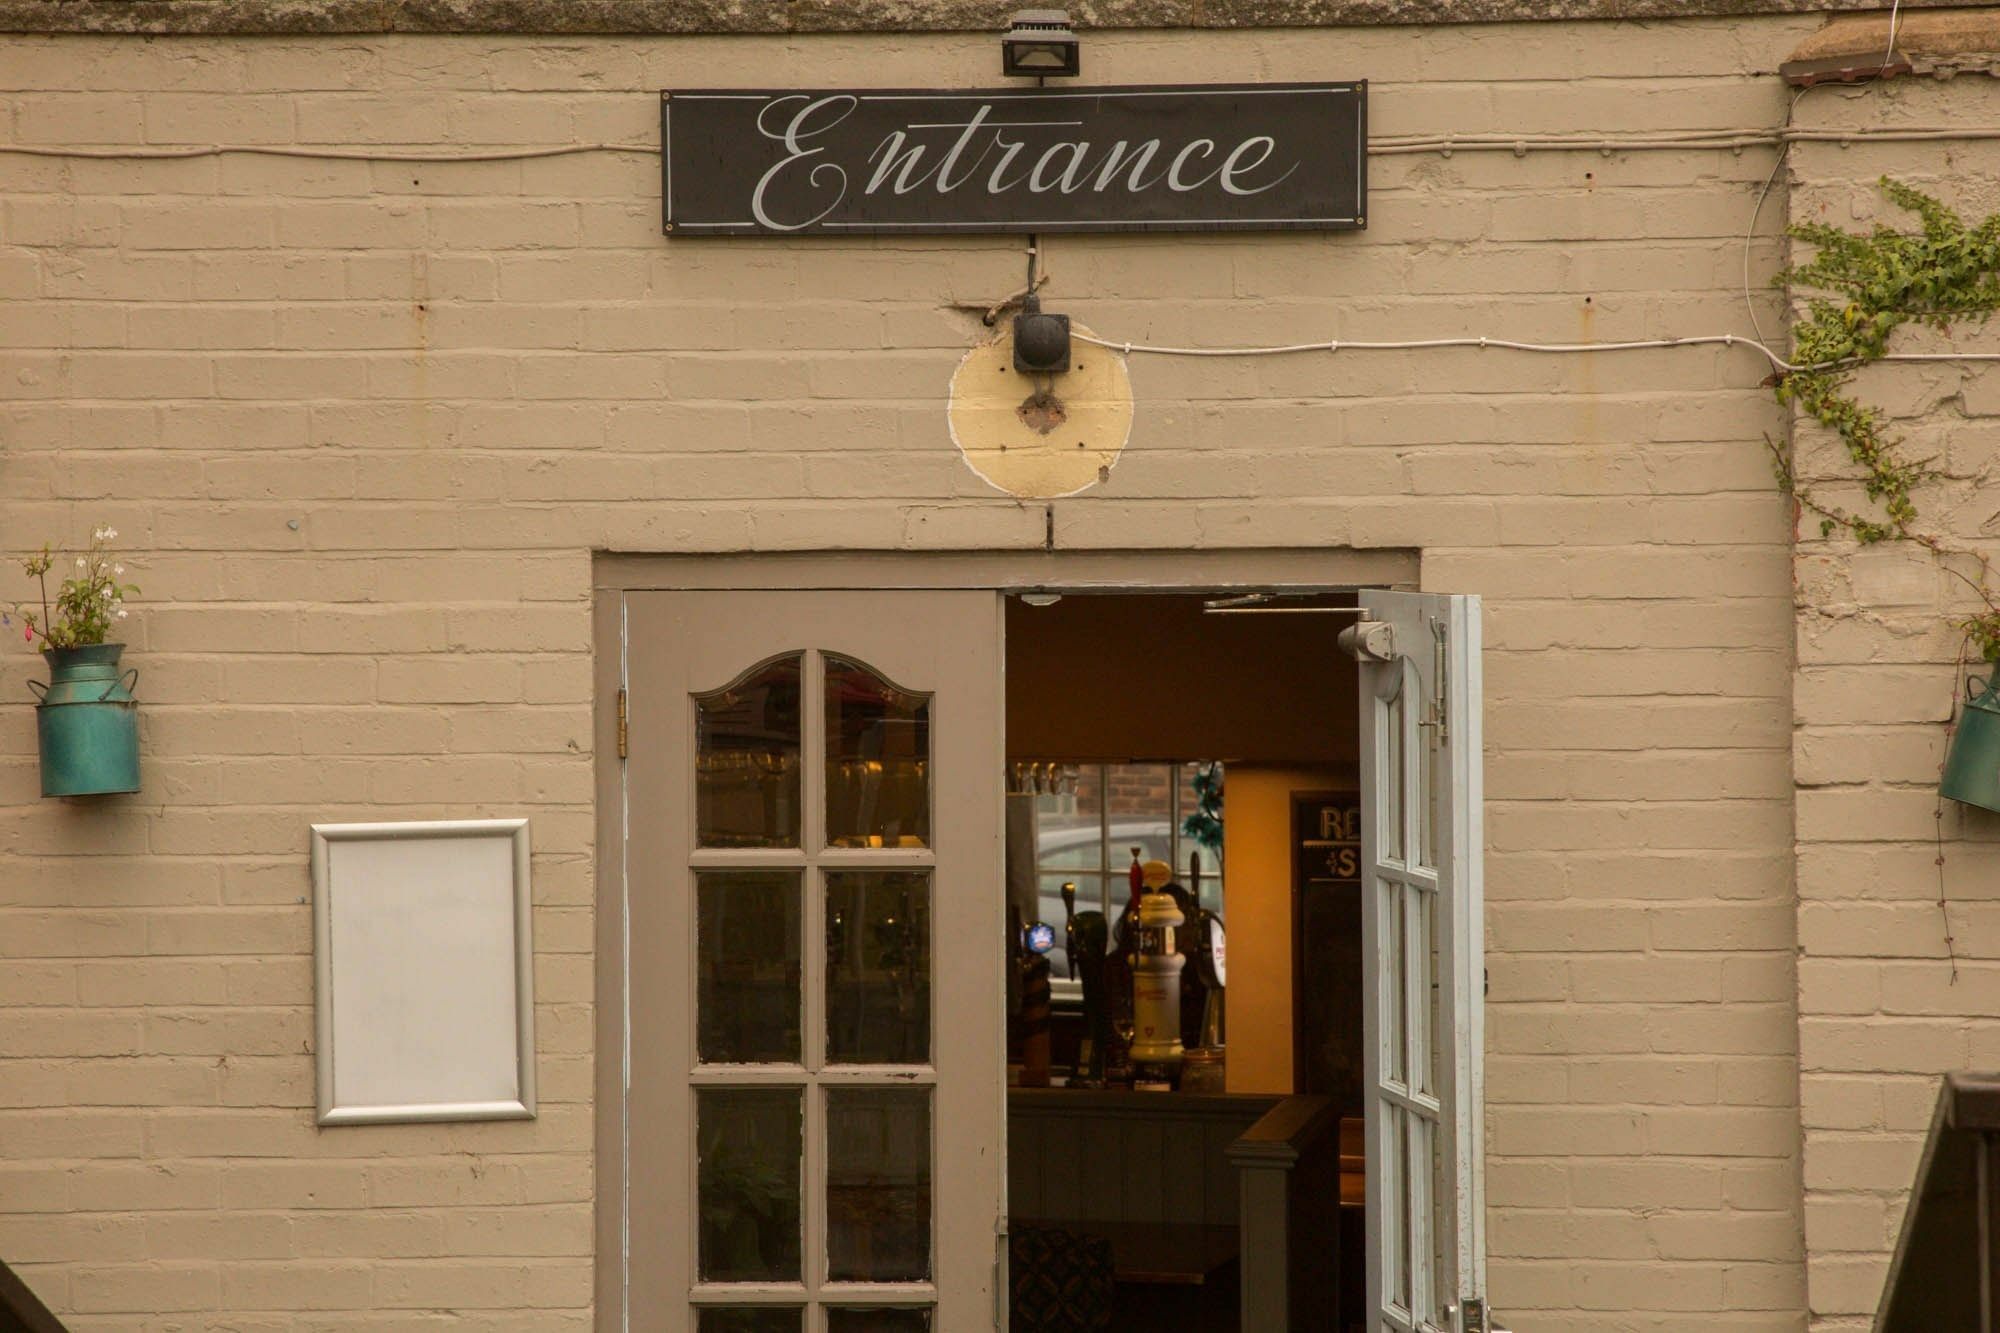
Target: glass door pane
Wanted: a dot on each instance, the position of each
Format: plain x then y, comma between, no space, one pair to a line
747,954
749,1142
878,967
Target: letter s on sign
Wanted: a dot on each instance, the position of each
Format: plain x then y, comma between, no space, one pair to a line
798,129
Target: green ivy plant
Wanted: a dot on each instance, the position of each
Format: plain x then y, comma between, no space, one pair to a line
1862,288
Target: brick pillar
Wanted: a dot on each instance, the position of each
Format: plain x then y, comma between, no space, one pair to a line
1880,1016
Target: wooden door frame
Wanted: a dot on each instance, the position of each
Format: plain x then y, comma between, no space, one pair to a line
616,574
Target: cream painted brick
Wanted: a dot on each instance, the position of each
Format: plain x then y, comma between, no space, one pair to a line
98,1187
249,1184
1645,481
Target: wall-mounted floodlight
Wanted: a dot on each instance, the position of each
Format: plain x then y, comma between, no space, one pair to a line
1039,44
1041,342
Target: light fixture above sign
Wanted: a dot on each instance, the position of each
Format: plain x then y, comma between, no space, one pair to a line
1040,44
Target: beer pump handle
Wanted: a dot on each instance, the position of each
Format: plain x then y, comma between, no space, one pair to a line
1069,923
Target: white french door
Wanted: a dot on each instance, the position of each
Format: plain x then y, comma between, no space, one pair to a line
815,1030
1421,847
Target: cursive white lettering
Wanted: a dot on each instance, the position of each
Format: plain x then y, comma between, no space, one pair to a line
1072,174
1230,167
1133,163
994,185
792,136
945,183
892,152
1174,181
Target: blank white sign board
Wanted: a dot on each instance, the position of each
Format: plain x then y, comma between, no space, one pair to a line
425,971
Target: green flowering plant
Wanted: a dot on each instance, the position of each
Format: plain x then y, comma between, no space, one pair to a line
87,603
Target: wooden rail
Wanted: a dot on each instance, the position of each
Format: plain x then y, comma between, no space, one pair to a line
21,1311
1293,1170
1946,1273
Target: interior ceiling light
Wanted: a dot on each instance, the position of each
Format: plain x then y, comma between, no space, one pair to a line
1038,43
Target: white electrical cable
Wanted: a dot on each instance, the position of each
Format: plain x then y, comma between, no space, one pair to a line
1777,363
1750,231
1387,146
331,154
1895,10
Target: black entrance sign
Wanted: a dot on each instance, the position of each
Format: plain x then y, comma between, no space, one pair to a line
1248,157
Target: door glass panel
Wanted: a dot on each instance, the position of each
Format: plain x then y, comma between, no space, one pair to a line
1423,1077
1396,986
878,745
904,1320
747,759
1395,1203
738,1319
1389,809
747,955
878,967
748,1145
1427,800
1422,1261
878,1185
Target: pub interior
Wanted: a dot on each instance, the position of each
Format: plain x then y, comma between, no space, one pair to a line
1185,964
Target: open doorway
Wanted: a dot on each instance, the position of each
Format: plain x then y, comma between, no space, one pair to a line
803,927
1185,1060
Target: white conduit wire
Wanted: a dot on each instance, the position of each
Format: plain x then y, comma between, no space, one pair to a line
1384,146
1778,363
330,154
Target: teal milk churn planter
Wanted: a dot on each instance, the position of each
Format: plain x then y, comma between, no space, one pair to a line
88,722
1972,769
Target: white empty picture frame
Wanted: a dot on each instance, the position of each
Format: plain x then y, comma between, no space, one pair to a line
425,971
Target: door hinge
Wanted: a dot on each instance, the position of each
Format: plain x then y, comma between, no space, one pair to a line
623,731
1439,719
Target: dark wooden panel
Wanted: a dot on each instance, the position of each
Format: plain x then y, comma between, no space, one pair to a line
1118,1156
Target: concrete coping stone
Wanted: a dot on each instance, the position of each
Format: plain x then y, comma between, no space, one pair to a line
1856,46
690,17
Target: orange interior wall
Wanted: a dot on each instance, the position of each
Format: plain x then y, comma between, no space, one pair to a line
1257,870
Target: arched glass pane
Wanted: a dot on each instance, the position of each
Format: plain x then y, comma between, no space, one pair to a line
878,749
747,759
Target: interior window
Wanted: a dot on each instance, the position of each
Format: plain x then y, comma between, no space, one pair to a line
1090,817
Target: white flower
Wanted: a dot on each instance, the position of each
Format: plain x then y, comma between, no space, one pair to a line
122,613
79,562
118,569
110,534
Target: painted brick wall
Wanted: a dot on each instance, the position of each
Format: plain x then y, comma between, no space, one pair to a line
1880,1012
363,423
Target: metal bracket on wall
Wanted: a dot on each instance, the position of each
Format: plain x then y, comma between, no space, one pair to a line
1369,641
